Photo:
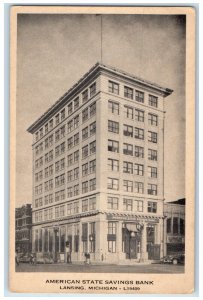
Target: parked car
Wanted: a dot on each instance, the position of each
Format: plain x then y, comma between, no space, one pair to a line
177,258
24,257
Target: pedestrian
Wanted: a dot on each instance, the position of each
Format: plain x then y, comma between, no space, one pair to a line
68,252
32,259
17,258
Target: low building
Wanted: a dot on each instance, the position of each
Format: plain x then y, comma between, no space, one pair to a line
174,226
23,230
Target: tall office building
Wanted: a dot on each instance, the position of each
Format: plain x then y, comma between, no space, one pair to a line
98,179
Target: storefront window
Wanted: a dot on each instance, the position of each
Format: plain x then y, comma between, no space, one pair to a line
62,238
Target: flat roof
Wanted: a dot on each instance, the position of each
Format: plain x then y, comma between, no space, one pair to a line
98,67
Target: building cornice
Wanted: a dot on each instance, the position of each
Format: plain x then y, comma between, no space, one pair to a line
93,73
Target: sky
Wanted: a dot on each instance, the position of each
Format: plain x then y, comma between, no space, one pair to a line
55,51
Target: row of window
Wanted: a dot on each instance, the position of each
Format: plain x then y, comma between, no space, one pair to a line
113,146
132,94
71,107
89,204
60,149
113,184
60,180
113,165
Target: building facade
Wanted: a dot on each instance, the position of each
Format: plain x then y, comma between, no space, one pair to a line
98,170
23,228
174,213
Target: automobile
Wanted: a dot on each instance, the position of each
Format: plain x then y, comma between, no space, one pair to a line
24,257
177,258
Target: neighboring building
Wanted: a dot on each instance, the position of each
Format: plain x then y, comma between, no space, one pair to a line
98,169
23,229
174,213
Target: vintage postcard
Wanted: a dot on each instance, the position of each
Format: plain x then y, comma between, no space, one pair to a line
102,160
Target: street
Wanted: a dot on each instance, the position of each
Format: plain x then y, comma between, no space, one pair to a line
93,268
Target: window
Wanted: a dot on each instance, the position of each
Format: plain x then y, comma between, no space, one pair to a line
175,225
152,119
85,133
113,126
113,184
70,175
127,204
63,114
93,147
76,139
139,115
76,156
152,207
85,114
128,92
127,149
76,207
76,103
113,107
152,154
113,164
139,133
112,203
57,212
92,203
111,237
76,121
85,187
85,169
70,159
113,146
70,126
84,205
60,180
127,130
139,187
69,192
182,226
85,96
69,208
46,143
76,189
70,142
93,89
128,112
70,108
138,205
93,128
127,167
139,96
153,101
92,166
139,169
51,124
152,189
57,119
168,225
37,136
41,132
152,172
50,140
93,109
139,151
84,236
128,186
85,151
62,210
113,87
152,137
93,184
57,135
76,173
46,128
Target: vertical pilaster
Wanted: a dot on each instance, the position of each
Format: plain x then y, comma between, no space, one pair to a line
144,253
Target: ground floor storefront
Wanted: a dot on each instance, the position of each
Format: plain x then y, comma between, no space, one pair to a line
102,237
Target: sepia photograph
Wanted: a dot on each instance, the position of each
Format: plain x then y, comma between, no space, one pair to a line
102,150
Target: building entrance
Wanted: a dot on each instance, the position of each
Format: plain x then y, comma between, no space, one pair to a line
131,241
